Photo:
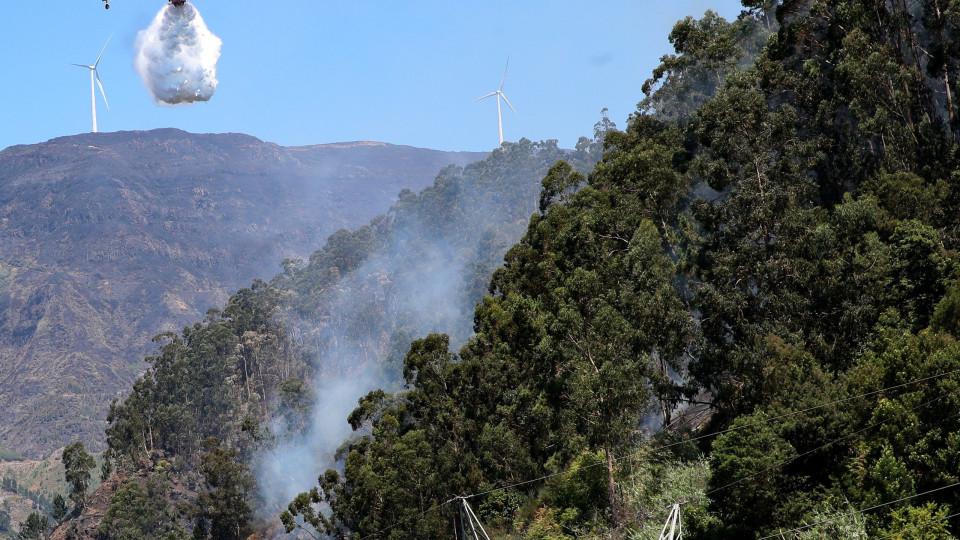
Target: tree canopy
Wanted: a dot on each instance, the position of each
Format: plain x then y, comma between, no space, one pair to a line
751,295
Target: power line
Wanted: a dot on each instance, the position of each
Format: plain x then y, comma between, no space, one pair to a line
924,524
821,447
561,473
728,430
545,477
815,407
411,518
863,511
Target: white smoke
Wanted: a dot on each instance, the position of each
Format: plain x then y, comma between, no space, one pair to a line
177,56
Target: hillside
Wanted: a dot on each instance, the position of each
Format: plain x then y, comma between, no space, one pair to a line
745,317
270,379
774,237
29,484
107,239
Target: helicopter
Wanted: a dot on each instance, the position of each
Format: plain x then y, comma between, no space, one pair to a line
106,3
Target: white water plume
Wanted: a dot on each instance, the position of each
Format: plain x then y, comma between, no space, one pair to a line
177,56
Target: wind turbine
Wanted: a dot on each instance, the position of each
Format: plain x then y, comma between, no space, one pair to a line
95,75
499,93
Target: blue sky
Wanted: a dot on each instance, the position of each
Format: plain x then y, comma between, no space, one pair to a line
299,72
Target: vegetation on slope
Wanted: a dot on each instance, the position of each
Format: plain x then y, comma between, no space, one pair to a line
789,243
771,240
243,377
110,238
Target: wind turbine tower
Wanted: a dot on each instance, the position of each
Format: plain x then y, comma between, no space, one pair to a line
499,93
94,75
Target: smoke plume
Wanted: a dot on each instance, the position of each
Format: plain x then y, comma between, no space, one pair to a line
177,56
426,275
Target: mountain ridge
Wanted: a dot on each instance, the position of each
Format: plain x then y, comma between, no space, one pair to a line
107,239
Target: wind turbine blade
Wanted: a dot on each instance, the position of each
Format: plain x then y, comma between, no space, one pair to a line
82,65
508,103
486,96
101,51
100,84
504,79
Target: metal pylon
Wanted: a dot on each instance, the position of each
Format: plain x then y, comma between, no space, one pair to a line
673,528
472,524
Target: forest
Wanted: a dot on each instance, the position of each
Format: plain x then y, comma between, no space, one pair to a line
743,306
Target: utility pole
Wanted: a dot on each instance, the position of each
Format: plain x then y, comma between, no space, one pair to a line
674,524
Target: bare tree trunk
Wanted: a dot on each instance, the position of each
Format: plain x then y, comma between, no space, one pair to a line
150,431
246,375
946,84
946,66
611,486
263,388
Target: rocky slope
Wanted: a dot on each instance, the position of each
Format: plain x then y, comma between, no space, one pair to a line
37,482
108,239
